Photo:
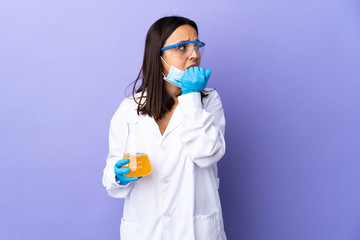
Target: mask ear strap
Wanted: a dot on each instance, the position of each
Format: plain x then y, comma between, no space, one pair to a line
165,62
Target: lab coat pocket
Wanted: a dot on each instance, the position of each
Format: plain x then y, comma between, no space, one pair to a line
207,227
129,230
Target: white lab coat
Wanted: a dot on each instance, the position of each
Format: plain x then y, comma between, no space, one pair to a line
179,199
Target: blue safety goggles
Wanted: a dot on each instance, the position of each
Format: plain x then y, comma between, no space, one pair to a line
185,49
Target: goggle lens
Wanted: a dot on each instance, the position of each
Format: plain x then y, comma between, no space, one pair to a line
185,50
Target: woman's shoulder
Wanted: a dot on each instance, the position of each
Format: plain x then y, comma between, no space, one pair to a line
128,103
127,110
131,102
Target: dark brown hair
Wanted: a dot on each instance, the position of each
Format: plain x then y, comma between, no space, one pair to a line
157,100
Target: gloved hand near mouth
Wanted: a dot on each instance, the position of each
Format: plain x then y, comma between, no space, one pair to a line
194,79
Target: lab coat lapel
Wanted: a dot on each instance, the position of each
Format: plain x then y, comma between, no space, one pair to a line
174,122
151,126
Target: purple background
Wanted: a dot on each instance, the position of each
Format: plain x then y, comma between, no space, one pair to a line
288,73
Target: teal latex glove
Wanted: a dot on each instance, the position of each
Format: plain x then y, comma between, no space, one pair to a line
194,79
119,172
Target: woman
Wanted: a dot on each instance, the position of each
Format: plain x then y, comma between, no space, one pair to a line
182,129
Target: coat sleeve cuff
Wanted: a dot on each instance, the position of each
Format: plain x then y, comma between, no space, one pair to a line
190,100
190,105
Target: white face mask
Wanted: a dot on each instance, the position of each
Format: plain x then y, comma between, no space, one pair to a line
174,76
